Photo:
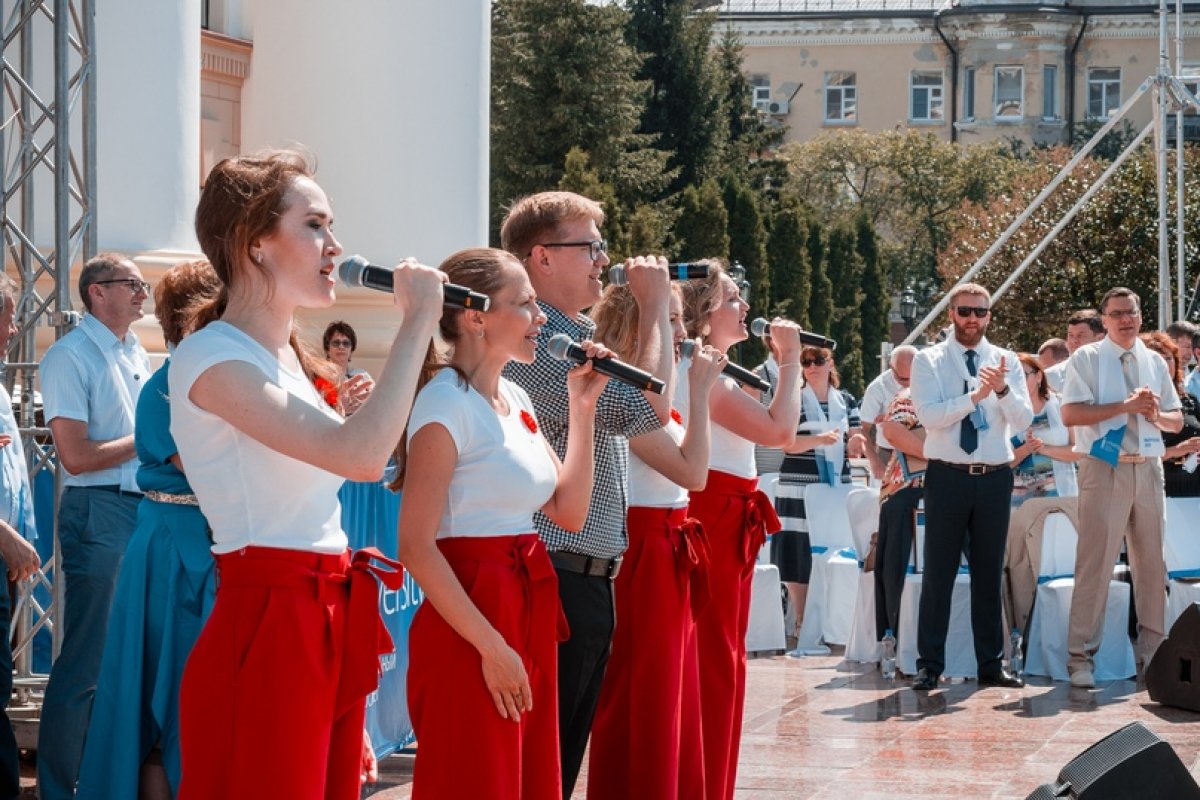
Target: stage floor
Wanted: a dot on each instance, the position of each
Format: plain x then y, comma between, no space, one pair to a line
818,728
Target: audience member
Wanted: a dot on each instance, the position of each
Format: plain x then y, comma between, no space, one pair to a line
164,592
968,483
902,489
353,385
1180,478
1183,333
1083,327
91,380
876,397
1053,351
1120,398
1192,382
557,236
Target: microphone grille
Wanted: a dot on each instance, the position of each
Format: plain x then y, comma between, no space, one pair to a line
760,327
558,346
686,348
616,275
350,271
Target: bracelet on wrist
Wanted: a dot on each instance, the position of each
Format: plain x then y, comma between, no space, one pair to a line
790,364
1003,392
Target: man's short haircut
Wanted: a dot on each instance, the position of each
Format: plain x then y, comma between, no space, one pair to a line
8,291
1056,346
1119,291
899,350
1089,317
535,218
98,268
972,289
1181,328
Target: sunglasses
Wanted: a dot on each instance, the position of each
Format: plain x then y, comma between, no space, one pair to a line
966,311
817,361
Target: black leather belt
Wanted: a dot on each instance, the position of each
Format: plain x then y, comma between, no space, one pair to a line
974,469
586,565
114,488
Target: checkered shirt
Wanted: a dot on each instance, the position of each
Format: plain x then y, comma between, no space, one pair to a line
622,413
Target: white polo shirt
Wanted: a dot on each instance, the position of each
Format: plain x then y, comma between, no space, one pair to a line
876,397
91,376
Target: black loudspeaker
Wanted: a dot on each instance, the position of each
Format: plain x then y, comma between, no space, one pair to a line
1173,676
1132,763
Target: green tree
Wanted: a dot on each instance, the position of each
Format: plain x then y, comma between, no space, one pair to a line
791,270
684,100
750,134
580,177
748,246
702,229
845,269
820,304
876,304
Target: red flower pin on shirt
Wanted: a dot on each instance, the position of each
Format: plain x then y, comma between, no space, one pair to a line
529,421
675,415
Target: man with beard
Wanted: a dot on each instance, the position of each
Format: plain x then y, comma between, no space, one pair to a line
1118,393
970,396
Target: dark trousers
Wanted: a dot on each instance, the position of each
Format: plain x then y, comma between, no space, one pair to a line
10,768
587,602
972,508
893,546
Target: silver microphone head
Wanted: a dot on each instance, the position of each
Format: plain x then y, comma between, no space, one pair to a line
350,271
558,346
760,327
686,348
616,275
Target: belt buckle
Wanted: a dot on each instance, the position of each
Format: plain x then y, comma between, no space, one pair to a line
614,567
977,469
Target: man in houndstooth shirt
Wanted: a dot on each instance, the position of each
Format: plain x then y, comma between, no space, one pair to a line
557,237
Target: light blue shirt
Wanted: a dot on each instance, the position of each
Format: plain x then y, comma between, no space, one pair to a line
1192,386
16,497
92,376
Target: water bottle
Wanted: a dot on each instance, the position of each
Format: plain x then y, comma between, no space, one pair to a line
887,657
1016,661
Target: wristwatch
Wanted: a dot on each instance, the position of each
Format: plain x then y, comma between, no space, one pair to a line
1002,393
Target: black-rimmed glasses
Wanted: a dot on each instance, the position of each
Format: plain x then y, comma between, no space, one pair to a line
595,246
134,284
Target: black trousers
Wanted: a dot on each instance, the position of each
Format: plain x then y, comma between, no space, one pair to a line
10,768
587,602
973,509
893,545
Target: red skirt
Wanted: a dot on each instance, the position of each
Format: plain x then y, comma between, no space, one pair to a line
636,734
274,693
464,747
737,517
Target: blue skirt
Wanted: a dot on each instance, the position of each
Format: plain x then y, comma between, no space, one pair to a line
164,594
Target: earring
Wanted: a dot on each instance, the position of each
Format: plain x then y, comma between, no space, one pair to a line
479,333
257,257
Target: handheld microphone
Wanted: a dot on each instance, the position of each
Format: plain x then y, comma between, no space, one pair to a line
561,347
739,373
357,271
761,327
678,272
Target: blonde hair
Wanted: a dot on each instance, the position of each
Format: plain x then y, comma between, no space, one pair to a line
701,298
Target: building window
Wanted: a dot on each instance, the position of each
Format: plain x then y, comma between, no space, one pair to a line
1104,92
1010,93
760,91
925,93
969,93
841,97
1049,91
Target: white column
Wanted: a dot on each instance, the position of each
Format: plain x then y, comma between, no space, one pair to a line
148,124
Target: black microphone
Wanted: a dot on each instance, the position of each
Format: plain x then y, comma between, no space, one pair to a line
357,271
744,376
679,272
761,327
561,347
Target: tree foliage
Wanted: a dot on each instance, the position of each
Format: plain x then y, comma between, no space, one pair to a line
820,304
748,246
702,229
791,270
876,303
845,269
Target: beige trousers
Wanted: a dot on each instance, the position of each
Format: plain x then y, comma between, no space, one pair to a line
1024,556
1115,503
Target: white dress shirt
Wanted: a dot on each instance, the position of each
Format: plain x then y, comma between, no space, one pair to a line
876,397
1056,376
91,376
937,388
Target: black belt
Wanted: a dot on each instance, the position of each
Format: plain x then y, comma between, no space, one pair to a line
586,565
115,488
974,469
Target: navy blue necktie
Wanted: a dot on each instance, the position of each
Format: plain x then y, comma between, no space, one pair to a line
968,437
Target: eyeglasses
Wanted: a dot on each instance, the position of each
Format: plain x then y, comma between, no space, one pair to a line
1123,314
816,361
340,343
966,311
134,284
595,246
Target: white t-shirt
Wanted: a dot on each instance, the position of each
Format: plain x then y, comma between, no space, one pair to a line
876,397
728,452
251,494
650,488
504,472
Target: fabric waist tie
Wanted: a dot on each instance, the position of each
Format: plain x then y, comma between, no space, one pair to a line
690,542
329,576
527,557
761,519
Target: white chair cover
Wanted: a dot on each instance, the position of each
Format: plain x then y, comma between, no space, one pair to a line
768,482
862,645
1181,549
1047,648
829,532
765,631
960,640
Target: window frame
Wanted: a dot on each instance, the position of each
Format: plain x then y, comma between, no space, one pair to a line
996,100
1050,93
935,95
968,80
842,90
762,103
1102,84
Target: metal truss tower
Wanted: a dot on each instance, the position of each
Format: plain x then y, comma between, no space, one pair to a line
48,220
